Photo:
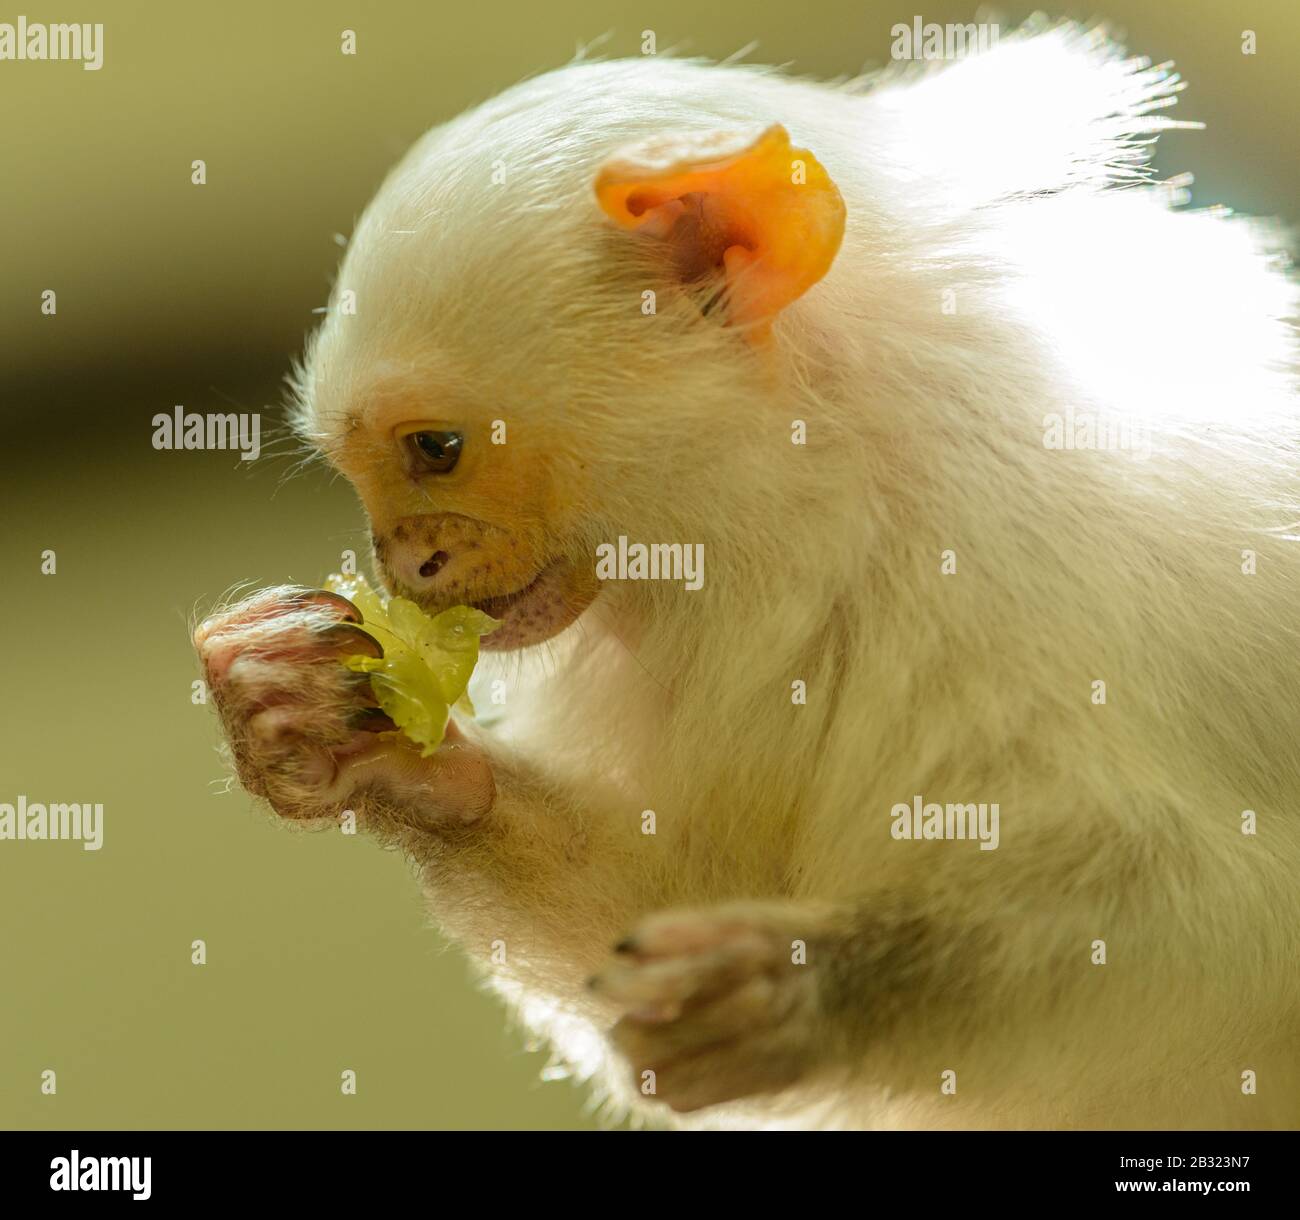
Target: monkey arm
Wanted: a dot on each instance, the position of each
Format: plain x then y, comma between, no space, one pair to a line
976,993
528,876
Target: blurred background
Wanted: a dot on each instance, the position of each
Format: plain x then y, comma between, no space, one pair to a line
319,957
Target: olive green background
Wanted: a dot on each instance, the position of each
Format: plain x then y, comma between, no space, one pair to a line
319,957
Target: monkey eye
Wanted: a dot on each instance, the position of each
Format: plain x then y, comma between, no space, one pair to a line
435,452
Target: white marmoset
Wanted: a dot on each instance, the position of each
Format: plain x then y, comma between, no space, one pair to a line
959,787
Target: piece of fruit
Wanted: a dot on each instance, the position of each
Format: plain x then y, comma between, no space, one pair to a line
427,661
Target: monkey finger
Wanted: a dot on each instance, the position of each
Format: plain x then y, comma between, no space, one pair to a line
675,931
725,1072
666,985
284,641
652,1043
270,604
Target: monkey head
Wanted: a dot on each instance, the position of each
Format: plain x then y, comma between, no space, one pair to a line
553,326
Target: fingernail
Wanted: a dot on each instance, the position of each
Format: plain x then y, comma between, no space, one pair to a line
349,636
323,597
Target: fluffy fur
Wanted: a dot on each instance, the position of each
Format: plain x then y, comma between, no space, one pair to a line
1006,259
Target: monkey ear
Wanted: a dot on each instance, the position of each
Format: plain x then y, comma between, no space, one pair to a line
766,214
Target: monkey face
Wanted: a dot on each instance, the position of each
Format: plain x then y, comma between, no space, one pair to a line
464,511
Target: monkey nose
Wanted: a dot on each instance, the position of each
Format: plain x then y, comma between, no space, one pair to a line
421,554
434,564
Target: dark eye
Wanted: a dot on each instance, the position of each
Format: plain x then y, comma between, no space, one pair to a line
435,452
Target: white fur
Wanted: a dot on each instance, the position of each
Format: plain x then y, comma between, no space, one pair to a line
1016,181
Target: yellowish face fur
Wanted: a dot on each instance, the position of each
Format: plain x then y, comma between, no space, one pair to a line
458,518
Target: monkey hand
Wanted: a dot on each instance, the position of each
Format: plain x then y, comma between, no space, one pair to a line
305,733
720,1004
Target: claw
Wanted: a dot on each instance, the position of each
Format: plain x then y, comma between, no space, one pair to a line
323,597
353,640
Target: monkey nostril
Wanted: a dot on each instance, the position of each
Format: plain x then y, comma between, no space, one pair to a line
432,565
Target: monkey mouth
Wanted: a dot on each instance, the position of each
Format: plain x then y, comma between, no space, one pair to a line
544,607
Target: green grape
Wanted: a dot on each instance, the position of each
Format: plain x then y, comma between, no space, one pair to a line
427,661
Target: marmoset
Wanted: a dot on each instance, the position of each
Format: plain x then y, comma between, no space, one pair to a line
955,783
